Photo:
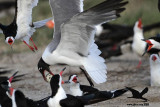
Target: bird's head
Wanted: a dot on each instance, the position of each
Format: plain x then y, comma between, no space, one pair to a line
7,85
152,44
138,26
154,57
10,40
44,69
73,79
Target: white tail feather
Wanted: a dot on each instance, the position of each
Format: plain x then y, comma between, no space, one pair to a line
96,68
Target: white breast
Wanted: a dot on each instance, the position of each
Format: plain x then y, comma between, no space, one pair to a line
75,90
155,75
54,102
138,45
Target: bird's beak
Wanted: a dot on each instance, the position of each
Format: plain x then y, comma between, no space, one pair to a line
45,75
11,91
61,74
150,45
11,78
140,23
10,41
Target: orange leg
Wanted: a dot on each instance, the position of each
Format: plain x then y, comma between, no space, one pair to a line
34,44
29,46
139,64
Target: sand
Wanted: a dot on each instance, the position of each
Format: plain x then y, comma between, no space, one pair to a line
122,72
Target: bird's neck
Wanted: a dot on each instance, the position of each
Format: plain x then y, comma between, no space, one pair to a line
57,95
75,90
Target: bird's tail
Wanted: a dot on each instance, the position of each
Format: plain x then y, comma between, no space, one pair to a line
95,65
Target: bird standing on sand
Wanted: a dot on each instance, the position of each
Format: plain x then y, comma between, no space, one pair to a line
73,42
22,26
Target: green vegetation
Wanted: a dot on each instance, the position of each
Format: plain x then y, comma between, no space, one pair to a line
145,9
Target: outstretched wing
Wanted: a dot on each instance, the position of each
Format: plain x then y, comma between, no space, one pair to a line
41,23
62,11
77,35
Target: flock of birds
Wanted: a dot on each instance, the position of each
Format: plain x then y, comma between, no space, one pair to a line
74,44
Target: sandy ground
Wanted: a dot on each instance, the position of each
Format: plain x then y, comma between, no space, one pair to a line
122,72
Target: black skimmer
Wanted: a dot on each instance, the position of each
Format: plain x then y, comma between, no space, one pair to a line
138,95
73,43
76,89
155,70
22,26
15,98
153,44
111,34
59,98
138,46
5,101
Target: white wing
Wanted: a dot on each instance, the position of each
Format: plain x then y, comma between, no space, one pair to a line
77,36
24,16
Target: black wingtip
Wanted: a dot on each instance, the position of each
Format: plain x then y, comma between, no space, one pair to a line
120,10
119,92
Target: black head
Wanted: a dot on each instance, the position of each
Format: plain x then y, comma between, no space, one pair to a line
72,79
9,32
43,67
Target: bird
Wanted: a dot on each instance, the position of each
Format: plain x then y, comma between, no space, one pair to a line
59,98
153,44
136,45
22,26
138,95
76,89
15,98
5,101
73,43
154,70
113,34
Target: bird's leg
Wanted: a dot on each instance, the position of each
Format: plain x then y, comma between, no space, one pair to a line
34,44
139,64
29,46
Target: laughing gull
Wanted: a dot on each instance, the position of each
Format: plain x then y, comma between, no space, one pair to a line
22,26
73,42
155,70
